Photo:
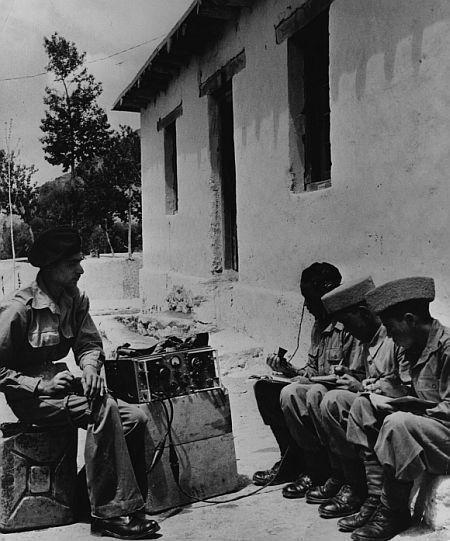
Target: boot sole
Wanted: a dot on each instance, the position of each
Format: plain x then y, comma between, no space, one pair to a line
360,538
107,533
317,500
339,515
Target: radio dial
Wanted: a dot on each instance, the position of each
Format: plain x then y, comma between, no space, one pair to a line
175,361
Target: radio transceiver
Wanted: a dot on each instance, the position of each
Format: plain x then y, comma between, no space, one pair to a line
144,378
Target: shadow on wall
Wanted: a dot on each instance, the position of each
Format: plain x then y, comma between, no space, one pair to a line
370,27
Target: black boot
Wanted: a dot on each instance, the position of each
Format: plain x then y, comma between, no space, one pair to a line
392,515
299,487
276,475
316,469
374,478
346,502
323,493
384,524
352,522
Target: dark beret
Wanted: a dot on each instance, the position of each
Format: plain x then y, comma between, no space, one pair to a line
54,245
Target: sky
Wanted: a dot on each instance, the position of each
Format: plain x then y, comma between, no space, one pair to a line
98,27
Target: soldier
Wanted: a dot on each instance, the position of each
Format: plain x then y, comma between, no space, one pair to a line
408,442
291,423
382,360
39,325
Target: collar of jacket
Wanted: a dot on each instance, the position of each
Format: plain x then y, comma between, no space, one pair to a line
37,296
332,326
433,343
377,340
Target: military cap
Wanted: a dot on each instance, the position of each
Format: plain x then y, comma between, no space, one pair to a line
404,289
54,245
348,294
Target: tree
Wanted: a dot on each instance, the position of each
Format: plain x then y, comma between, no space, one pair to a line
76,128
113,184
23,187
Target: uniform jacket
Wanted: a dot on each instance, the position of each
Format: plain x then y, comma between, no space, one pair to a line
384,360
330,346
430,372
35,331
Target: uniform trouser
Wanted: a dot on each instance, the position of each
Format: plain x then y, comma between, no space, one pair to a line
111,481
335,408
300,404
267,394
405,444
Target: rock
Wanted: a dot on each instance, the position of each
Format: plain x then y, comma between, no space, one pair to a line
431,500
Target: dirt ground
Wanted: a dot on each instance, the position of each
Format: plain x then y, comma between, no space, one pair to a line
260,517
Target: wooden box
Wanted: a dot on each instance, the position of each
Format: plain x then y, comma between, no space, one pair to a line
203,438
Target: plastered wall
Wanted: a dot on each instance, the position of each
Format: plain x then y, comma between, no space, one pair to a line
386,212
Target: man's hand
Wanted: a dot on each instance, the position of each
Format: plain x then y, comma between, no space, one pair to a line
384,387
57,385
349,383
93,383
278,364
380,402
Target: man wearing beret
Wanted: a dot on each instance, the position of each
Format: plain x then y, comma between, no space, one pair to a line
383,362
289,409
408,442
39,324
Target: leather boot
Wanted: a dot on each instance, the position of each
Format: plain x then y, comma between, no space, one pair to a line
276,475
346,502
392,515
126,527
384,524
299,487
322,493
374,479
352,522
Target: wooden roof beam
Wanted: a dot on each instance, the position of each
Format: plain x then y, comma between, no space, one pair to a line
239,3
218,13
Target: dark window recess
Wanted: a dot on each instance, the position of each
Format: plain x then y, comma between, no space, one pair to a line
309,104
227,169
170,165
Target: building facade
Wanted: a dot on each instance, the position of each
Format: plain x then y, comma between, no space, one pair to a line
277,133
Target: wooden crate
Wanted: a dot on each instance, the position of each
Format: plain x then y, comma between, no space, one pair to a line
203,438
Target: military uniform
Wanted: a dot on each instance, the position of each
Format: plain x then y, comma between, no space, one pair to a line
408,443
35,332
402,445
300,402
330,345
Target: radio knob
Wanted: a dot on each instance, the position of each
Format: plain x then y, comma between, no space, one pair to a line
164,373
196,363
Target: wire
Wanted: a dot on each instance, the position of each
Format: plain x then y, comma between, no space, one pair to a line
89,62
174,464
299,333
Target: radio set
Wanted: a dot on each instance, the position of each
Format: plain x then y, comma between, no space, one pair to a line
137,377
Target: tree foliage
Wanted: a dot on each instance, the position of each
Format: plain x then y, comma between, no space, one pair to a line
75,127
23,187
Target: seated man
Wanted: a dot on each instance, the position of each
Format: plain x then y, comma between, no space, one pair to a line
39,324
382,360
329,345
404,444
